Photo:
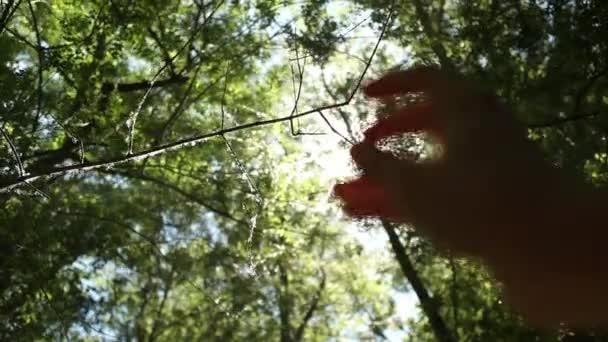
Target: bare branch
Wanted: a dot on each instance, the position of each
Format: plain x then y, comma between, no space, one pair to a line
284,304
20,38
181,105
578,101
342,113
20,168
297,93
58,313
163,50
314,304
436,45
454,292
7,13
223,102
38,190
369,62
134,114
40,52
169,62
179,110
141,85
191,141
154,333
258,198
335,130
561,121
177,190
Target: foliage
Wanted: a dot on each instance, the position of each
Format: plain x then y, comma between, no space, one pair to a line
150,194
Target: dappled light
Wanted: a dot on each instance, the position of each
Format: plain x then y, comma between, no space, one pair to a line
216,170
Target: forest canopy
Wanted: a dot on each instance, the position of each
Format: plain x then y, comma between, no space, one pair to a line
167,165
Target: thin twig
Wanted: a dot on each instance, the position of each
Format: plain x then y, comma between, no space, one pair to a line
39,89
168,63
179,109
384,29
176,189
134,114
335,50
20,38
108,163
223,103
561,121
335,130
8,14
72,136
342,113
191,141
58,314
454,294
252,187
354,27
343,36
297,94
38,190
40,52
20,168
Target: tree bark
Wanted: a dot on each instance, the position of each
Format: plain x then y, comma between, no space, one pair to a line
440,329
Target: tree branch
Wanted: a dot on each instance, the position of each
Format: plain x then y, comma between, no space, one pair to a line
20,168
183,193
438,325
181,104
314,304
425,22
163,50
284,307
585,89
561,121
154,332
7,185
139,323
7,13
143,85
164,148
40,53
342,113
108,87
578,102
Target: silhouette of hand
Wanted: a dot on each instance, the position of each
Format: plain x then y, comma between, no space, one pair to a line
490,194
488,183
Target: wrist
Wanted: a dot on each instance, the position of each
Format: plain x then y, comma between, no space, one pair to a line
558,270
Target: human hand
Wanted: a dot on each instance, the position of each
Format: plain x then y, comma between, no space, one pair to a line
488,184
490,194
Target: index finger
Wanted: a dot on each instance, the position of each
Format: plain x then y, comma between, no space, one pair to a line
416,79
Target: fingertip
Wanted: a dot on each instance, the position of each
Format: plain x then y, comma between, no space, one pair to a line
412,118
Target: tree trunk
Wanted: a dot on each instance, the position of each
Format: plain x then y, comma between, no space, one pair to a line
440,329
